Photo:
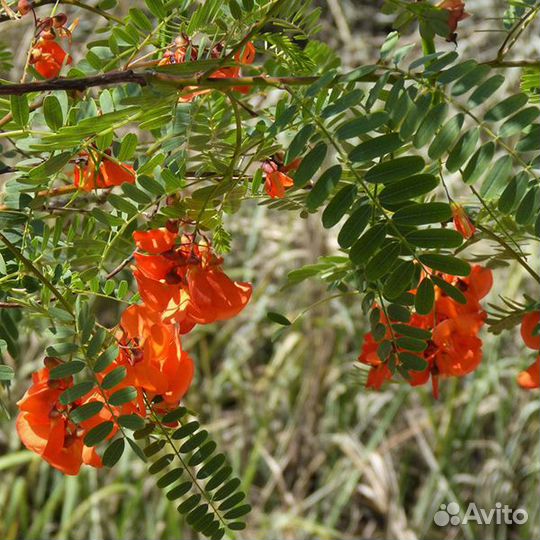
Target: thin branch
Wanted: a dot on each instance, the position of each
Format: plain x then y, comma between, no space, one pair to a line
34,270
119,268
10,305
38,3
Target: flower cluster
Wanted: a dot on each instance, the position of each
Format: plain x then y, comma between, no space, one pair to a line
47,54
184,50
49,428
182,284
454,349
276,179
530,332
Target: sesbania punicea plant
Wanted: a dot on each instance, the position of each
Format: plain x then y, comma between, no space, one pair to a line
121,156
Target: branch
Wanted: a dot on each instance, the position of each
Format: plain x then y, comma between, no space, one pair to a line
146,78
34,270
82,83
38,3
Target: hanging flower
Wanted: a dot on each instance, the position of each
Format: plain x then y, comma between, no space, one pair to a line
94,171
45,428
48,58
184,281
276,181
456,13
462,222
152,354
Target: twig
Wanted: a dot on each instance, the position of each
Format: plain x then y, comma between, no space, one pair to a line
76,3
34,270
119,268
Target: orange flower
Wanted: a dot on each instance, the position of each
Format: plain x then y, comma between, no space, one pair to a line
454,349
44,426
530,330
185,282
462,222
458,351
94,171
152,354
276,180
48,58
456,13
179,53
530,378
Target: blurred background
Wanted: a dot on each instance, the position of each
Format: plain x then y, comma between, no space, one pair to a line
318,455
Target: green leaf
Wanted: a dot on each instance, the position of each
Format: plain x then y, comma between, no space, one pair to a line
185,430
6,373
86,411
470,80
449,289
478,164
528,207
211,466
105,359
383,261
376,147
20,110
517,123
435,238
160,463
506,107
169,477
411,344
396,169
425,297
113,378
497,178
339,205
408,188
179,491
52,111
367,244
50,167
430,125
278,318
98,433
364,124
446,263
128,146
485,90
423,214
399,280
113,452
298,144
411,331
310,164
174,416
354,226
343,103
412,362
323,187
194,441
157,8
67,369
125,395
131,421
76,392
463,150
446,137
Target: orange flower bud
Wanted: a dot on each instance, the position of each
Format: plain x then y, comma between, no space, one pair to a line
462,221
